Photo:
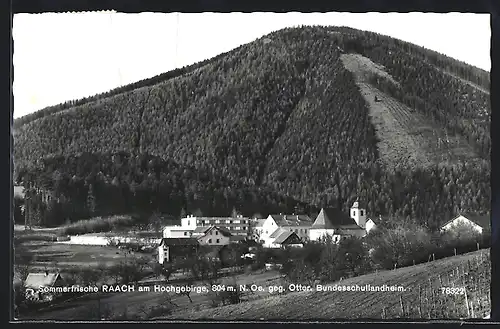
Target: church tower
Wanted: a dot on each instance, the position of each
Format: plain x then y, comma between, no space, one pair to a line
358,214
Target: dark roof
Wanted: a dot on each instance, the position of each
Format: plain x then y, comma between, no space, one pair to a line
37,280
283,237
202,229
482,220
224,231
179,242
330,218
278,232
292,220
377,220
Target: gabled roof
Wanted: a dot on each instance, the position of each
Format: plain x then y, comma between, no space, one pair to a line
329,218
292,220
224,231
482,220
37,280
179,242
376,220
283,237
278,232
202,229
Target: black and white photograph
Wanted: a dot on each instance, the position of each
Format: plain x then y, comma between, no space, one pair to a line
251,166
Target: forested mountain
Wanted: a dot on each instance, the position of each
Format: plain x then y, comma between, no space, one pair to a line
290,114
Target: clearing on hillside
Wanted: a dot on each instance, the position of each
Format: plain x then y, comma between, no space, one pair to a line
423,297
406,137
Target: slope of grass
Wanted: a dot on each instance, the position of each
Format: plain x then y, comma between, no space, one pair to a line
423,297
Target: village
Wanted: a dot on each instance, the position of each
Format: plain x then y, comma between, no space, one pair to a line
231,241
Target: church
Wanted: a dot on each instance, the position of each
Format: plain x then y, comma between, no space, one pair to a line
338,224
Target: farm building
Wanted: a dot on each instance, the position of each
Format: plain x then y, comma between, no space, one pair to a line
337,224
282,237
372,224
212,235
176,248
479,223
265,228
35,281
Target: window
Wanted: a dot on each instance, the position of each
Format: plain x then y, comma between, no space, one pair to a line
189,222
217,221
218,240
230,222
227,221
209,240
244,221
236,221
354,212
361,212
216,232
185,233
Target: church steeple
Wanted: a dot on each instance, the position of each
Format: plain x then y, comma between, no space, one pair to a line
358,213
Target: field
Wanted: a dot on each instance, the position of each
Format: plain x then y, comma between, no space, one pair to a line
406,136
135,302
423,297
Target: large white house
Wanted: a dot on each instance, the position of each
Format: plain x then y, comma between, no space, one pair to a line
236,226
479,223
212,236
266,230
338,224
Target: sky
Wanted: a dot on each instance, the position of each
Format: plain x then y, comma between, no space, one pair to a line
64,56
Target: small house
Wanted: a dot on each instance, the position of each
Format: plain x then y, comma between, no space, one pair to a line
36,285
171,249
479,223
212,236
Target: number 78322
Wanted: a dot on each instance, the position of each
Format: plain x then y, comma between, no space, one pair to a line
453,290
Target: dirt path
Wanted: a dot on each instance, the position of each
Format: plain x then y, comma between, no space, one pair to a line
406,137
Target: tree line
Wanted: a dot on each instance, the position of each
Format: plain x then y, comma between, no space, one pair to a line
280,114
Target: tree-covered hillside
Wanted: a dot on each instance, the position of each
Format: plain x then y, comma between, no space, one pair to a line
283,114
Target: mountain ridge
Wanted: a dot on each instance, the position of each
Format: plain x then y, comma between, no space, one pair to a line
285,112
189,68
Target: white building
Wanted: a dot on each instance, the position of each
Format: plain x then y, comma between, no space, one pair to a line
236,226
479,223
177,231
265,230
212,236
337,224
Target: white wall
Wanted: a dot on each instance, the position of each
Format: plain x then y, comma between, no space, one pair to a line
316,234
189,222
223,240
176,232
163,254
370,225
462,220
